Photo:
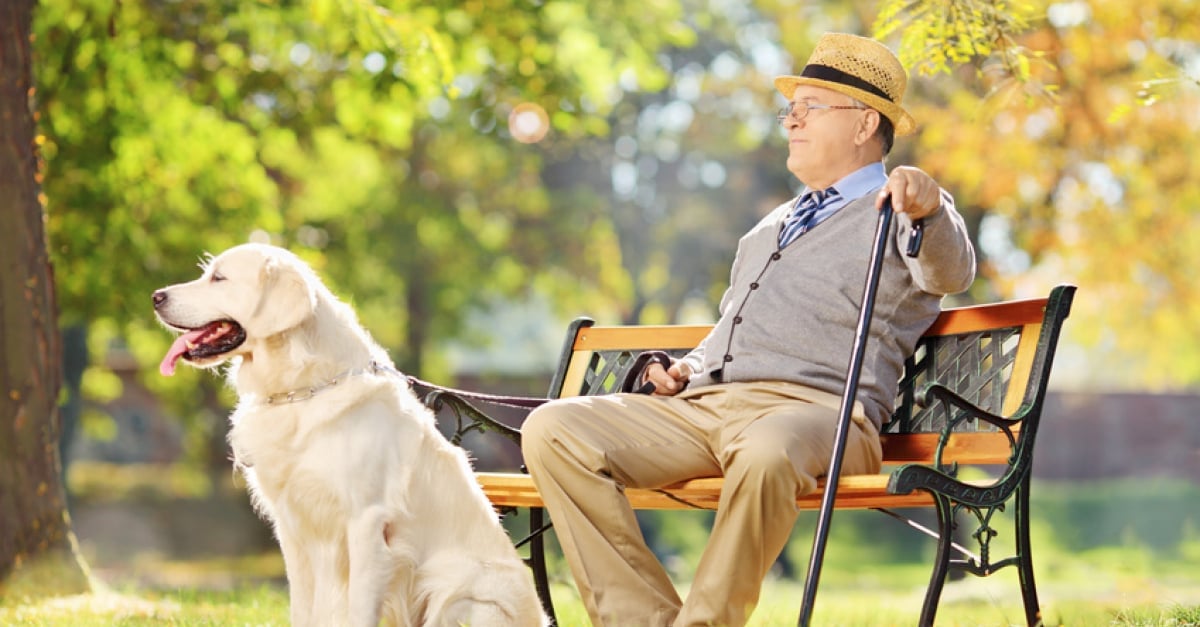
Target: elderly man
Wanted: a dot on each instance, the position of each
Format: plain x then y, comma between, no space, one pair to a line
757,402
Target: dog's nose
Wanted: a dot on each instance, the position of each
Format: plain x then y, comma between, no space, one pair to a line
159,298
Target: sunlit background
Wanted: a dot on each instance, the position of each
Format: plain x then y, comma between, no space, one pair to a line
473,175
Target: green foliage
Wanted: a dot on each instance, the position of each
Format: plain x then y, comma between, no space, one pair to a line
99,481
936,36
1091,184
177,133
371,138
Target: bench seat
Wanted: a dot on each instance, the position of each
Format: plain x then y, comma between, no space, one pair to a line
510,489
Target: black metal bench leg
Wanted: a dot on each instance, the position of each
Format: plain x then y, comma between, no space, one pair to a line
941,561
537,561
1033,611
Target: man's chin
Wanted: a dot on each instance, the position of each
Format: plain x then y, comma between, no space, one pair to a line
797,162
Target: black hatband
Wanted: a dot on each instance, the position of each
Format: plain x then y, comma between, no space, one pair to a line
834,75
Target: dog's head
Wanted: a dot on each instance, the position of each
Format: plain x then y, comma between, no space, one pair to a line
246,294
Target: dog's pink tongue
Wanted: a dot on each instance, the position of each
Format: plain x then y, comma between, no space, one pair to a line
178,348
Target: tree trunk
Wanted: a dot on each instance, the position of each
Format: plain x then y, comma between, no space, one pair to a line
38,553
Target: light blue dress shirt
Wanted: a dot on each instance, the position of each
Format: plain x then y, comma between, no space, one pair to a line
851,187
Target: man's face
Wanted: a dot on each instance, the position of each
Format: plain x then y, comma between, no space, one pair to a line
822,146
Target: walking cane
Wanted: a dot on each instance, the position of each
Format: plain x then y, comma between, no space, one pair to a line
851,390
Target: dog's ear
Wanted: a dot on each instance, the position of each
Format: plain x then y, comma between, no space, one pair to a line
287,298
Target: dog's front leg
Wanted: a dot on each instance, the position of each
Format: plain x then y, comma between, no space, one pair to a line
372,566
300,578
330,586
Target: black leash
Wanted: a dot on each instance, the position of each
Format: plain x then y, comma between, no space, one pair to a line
525,402
631,383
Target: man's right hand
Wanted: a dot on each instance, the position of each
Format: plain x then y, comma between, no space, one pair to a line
668,381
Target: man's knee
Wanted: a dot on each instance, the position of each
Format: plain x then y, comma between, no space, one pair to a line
547,429
766,463
537,429
759,456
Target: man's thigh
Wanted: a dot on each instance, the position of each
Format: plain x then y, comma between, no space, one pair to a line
765,426
639,440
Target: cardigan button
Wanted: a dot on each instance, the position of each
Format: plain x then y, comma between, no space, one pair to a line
754,286
776,256
728,358
737,319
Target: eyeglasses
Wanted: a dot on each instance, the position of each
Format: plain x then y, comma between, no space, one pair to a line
799,110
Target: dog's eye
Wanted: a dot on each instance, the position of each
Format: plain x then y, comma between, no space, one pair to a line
216,277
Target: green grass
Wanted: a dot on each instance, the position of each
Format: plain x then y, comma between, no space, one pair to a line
1135,563
264,605
1122,586
267,605
968,605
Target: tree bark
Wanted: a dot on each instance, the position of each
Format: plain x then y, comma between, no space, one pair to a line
38,554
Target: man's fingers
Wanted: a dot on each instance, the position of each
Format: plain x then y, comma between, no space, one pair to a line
912,192
680,371
656,372
898,189
660,377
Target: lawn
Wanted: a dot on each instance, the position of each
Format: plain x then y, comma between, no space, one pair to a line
972,603
1136,562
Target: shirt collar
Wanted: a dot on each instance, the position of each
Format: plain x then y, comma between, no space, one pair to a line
859,182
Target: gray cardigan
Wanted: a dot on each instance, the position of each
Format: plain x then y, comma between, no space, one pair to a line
790,315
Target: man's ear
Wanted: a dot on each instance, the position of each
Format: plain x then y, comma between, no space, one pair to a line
286,301
868,125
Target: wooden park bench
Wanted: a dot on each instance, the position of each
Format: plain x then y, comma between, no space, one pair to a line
971,394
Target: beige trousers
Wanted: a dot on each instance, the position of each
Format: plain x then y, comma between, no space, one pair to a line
770,440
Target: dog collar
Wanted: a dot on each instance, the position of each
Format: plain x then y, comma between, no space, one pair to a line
303,394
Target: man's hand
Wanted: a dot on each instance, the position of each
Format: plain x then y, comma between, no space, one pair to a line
668,381
913,192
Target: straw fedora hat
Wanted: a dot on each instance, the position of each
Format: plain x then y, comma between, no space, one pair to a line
861,68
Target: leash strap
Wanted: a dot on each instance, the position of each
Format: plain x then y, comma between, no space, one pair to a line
633,378
632,383
526,402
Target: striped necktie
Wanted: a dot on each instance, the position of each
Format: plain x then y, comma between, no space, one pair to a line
800,218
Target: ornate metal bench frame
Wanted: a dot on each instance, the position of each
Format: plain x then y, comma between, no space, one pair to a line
972,393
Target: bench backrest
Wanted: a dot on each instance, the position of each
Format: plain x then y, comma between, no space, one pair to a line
997,356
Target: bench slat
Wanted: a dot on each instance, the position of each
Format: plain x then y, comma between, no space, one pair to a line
854,492
661,337
1013,313
687,336
986,447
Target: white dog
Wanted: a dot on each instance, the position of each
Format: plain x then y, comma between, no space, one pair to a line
377,514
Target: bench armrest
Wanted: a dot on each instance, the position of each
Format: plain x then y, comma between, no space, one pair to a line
967,410
911,477
467,417
940,477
